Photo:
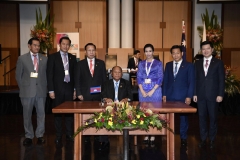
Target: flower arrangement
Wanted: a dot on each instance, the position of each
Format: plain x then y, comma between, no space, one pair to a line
118,116
232,83
214,33
44,31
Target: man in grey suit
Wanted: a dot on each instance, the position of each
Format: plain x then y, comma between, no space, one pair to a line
32,82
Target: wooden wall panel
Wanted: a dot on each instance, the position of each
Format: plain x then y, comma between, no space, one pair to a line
66,14
92,15
7,61
122,55
167,57
9,37
174,13
235,59
147,23
231,25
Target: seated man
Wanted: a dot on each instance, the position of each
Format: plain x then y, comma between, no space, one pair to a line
116,89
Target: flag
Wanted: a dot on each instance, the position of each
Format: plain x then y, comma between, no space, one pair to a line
204,38
183,42
95,89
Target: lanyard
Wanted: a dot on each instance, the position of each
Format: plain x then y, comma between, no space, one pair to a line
148,69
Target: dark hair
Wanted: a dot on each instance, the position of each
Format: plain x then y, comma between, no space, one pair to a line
90,44
33,39
205,43
136,52
176,46
148,45
66,38
116,67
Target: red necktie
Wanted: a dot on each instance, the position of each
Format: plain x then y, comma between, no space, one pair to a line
35,61
206,64
91,67
206,67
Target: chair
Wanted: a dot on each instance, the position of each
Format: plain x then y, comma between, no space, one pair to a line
125,75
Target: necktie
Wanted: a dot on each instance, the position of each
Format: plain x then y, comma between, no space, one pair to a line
66,67
116,91
206,67
206,64
35,61
91,67
175,70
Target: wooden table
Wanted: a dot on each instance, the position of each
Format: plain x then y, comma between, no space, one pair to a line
82,110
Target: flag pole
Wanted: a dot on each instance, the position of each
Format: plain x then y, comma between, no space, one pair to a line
183,41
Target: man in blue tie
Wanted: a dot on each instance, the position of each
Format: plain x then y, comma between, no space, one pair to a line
116,89
178,85
60,78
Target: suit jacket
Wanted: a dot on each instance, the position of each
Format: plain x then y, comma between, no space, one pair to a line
180,87
131,63
56,74
31,87
124,90
84,79
212,85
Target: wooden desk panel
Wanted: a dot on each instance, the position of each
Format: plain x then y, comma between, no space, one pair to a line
83,109
91,107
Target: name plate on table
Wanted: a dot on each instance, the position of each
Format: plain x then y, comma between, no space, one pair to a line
95,90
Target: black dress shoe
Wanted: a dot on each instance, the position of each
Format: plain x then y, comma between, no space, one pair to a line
27,142
202,144
212,145
58,140
40,140
183,143
151,142
69,138
146,140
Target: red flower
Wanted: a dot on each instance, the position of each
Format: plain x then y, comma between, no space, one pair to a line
102,120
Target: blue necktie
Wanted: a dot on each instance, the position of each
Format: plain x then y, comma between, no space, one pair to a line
66,67
116,91
175,70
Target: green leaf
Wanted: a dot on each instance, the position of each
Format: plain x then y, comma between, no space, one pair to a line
36,17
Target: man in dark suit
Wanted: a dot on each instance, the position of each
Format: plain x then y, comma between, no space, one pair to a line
60,76
133,62
116,89
91,72
178,85
32,82
133,65
209,91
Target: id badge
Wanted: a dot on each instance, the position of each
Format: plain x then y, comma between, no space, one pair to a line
147,80
34,75
66,72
